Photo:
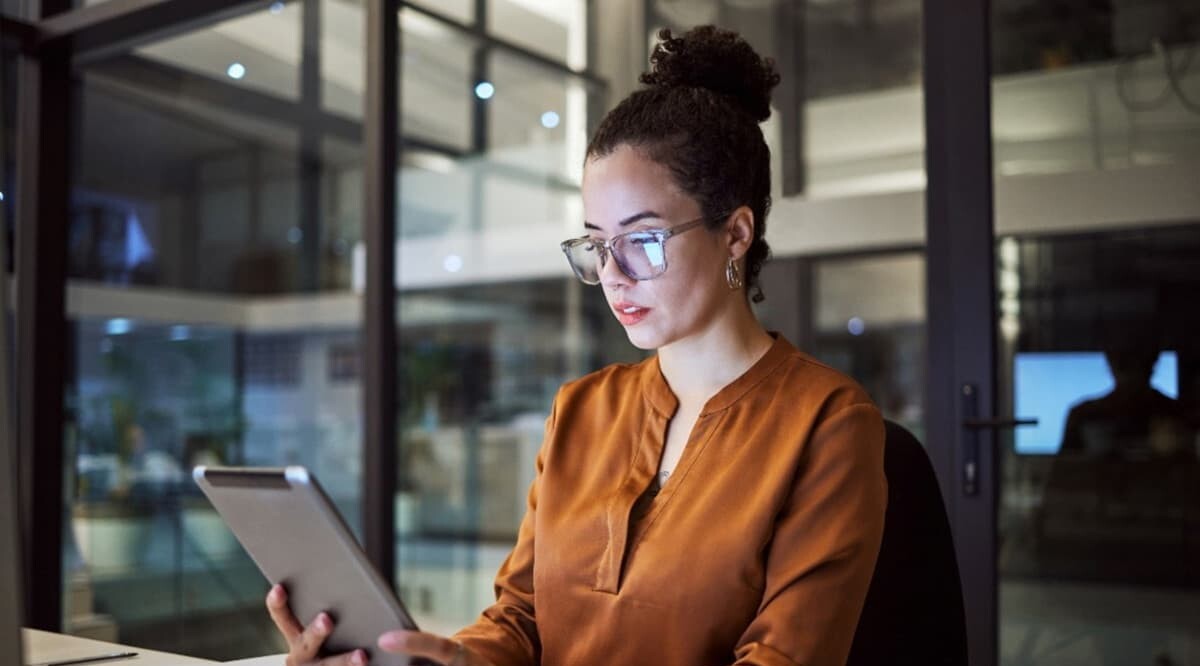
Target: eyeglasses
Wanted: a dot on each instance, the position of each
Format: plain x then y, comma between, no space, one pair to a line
640,254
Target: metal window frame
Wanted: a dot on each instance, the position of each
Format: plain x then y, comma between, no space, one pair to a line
43,131
960,289
381,119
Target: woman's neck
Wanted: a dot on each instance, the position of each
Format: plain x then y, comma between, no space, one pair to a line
700,365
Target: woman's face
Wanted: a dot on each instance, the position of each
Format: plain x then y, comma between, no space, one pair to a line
625,191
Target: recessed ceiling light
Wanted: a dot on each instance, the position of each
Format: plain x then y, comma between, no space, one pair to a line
236,71
485,90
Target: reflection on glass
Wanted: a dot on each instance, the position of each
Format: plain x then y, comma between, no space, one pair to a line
214,214
1099,511
1099,519
1061,389
1094,86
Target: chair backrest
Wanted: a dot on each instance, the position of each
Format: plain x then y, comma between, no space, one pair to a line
914,609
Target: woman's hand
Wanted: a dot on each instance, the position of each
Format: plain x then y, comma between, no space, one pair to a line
430,646
305,642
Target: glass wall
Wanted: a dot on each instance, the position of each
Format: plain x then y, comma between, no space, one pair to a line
490,320
1097,149
213,321
873,334
848,116
847,139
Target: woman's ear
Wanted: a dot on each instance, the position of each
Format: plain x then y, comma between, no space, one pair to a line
739,232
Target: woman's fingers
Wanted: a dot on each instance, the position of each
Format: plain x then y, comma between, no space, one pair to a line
420,644
312,638
281,614
304,643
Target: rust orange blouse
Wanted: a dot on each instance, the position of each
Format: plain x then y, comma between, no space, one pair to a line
757,550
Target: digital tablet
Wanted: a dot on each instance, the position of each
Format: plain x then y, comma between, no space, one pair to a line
297,538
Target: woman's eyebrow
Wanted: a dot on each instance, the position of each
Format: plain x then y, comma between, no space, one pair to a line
627,221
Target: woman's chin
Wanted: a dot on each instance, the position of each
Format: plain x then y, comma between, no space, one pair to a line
643,338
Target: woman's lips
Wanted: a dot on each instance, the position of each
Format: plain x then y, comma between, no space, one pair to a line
629,313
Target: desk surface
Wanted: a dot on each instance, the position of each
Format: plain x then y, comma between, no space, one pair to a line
42,646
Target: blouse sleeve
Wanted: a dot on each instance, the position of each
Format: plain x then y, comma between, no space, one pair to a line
506,634
821,558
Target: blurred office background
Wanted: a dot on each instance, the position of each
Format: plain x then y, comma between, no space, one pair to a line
216,266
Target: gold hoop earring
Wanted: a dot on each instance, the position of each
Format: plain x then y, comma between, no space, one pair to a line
733,276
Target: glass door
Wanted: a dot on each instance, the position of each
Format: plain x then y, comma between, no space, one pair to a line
1098,521
1096,152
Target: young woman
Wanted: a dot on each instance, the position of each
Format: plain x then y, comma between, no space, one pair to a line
721,502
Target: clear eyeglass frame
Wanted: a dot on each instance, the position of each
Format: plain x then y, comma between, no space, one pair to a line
588,270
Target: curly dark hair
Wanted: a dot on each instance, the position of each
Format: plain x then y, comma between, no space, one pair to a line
707,92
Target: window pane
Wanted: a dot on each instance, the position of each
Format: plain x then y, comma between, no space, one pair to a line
1095,142
215,207
537,120
847,116
1094,86
436,82
834,309
876,335
491,321
556,30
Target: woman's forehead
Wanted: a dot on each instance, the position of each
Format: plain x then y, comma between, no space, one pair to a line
625,183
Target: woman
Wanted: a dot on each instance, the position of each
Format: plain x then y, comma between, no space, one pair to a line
722,501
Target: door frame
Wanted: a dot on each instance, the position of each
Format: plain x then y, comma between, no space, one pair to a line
960,291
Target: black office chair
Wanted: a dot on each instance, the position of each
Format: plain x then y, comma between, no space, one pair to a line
914,609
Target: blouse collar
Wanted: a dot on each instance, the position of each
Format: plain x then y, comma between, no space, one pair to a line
660,396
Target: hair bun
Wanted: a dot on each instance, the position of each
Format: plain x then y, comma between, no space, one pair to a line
718,60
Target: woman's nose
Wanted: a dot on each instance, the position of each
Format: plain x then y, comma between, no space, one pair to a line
611,274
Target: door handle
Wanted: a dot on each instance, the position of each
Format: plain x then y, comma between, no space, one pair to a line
972,424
